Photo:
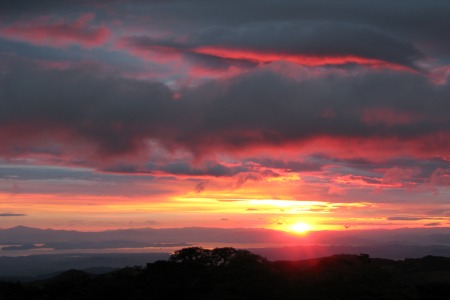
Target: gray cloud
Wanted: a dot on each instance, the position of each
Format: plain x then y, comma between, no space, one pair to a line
308,165
415,20
93,115
314,38
382,28
79,108
11,215
289,38
42,173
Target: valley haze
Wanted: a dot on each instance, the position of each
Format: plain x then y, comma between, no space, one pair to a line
39,252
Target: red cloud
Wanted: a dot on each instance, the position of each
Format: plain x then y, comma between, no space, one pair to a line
301,59
58,33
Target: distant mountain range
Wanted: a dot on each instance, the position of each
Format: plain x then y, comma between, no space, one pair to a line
23,237
27,238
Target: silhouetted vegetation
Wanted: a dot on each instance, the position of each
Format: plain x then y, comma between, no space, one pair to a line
228,273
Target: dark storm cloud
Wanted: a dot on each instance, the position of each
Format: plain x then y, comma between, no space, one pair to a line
119,116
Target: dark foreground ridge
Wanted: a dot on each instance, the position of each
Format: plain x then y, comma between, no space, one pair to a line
228,273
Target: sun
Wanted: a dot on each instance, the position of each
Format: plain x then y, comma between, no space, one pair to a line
300,227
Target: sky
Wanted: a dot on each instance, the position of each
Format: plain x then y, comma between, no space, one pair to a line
208,113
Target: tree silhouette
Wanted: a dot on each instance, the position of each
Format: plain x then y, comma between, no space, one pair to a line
228,273
196,255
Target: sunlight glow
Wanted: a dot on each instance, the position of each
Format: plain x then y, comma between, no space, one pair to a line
301,227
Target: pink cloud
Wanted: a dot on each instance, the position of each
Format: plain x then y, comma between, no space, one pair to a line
375,149
336,190
397,174
58,32
440,74
153,52
177,60
440,177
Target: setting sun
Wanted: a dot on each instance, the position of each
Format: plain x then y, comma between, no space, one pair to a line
301,227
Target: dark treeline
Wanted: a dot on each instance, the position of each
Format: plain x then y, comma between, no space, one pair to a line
228,273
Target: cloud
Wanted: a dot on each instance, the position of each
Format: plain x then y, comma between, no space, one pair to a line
399,175
432,224
200,187
57,32
303,43
76,108
384,24
23,172
11,215
403,218
440,177
387,117
307,43
335,101
30,5
212,169
389,18
336,190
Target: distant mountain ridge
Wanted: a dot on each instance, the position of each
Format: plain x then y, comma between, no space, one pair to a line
417,236
29,235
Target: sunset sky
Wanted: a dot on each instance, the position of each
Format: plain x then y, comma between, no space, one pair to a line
213,113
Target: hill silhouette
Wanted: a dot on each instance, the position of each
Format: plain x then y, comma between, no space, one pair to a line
228,273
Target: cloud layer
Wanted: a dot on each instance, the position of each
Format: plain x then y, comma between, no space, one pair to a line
114,115
342,102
